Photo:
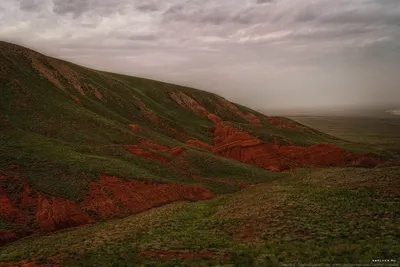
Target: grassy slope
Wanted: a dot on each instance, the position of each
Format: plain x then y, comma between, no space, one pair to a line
316,216
61,145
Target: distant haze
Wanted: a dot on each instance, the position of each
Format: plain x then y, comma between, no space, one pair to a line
272,55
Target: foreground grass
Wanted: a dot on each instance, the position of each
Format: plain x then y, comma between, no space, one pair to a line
321,216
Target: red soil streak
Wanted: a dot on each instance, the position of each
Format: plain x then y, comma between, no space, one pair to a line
182,255
46,72
97,93
199,144
7,236
113,197
69,74
250,117
175,151
189,103
285,123
55,214
76,99
134,127
239,145
139,151
153,118
7,209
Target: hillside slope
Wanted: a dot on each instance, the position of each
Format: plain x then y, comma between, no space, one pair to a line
79,145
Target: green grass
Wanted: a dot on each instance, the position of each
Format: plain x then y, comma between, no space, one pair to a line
336,215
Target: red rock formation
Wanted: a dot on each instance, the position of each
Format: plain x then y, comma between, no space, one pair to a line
115,197
239,145
199,144
189,103
55,214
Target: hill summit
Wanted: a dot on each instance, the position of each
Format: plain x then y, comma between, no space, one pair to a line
79,145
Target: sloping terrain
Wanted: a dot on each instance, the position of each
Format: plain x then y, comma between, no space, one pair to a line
79,145
329,217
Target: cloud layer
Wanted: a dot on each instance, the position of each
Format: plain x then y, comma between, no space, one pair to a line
270,54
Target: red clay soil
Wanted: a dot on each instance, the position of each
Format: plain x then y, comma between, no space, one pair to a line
144,153
199,144
7,236
107,198
284,123
134,127
56,214
175,151
189,103
113,197
154,119
182,255
76,99
250,117
239,145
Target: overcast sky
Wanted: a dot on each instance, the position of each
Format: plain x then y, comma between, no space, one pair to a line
269,54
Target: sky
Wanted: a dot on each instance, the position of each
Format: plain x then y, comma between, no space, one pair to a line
272,55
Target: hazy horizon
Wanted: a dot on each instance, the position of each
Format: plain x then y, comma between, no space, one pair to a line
282,56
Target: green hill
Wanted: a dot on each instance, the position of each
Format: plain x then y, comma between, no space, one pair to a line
78,146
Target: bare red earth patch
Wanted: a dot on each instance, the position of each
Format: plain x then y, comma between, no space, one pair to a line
239,145
175,151
76,99
55,214
7,236
250,117
285,123
134,127
187,102
113,196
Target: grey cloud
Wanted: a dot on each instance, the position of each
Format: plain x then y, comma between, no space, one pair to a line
260,2
74,7
30,5
357,16
242,49
148,6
